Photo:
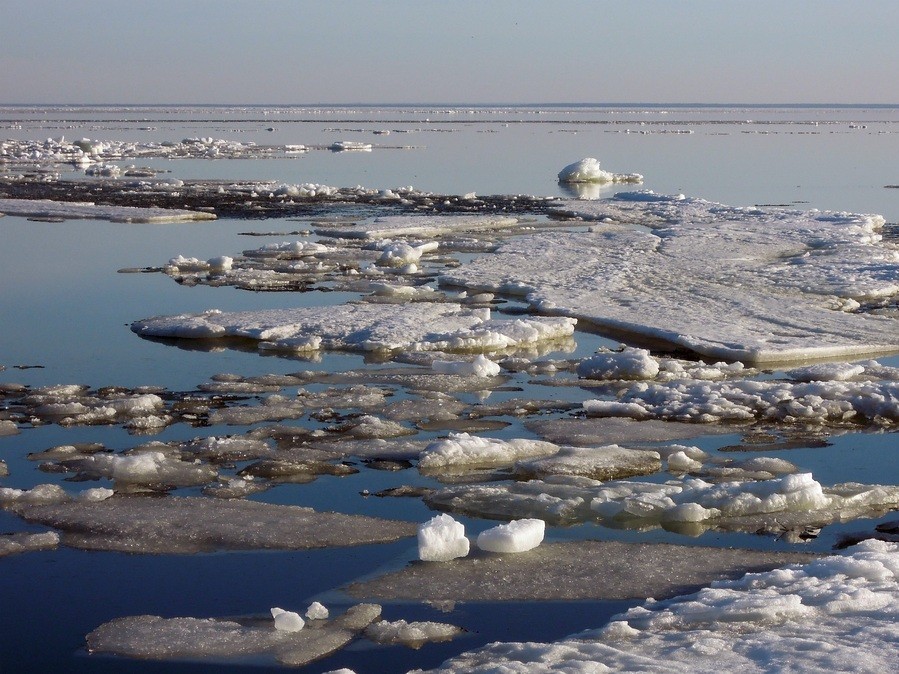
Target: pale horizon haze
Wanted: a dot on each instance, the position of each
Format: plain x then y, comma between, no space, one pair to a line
399,51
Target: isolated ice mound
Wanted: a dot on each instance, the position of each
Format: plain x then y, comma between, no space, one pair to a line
363,327
516,536
742,284
587,171
481,366
43,208
838,613
441,539
411,634
629,363
287,621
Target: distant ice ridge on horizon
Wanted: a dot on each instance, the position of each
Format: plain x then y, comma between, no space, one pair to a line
749,284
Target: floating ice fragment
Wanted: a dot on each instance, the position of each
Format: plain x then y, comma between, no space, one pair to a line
441,539
411,634
629,363
481,366
13,544
43,208
287,621
516,536
609,462
587,171
317,611
462,451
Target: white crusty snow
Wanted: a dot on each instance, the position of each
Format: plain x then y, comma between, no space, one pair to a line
481,366
748,284
44,208
14,544
441,539
838,613
462,451
364,327
587,171
516,536
691,505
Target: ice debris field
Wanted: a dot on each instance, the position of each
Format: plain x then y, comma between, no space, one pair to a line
772,331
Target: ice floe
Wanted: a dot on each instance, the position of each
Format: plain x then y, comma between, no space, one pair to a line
837,613
770,285
158,638
428,226
411,634
178,525
607,462
462,451
43,208
783,505
14,544
587,171
570,571
362,327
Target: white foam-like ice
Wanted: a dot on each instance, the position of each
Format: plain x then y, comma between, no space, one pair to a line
769,285
364,327
44,208
838,613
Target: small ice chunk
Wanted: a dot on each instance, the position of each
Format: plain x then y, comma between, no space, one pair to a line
96,494
317,611
587,171
441,539
481,366
629,363
287,621
516,536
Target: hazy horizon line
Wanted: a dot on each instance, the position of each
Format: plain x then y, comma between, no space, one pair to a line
457,104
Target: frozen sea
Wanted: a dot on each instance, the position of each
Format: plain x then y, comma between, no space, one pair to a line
73,288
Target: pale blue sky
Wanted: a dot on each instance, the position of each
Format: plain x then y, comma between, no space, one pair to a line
489,51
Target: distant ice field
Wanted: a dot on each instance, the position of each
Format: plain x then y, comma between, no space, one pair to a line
456,389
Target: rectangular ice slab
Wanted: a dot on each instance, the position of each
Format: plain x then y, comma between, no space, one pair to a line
516,536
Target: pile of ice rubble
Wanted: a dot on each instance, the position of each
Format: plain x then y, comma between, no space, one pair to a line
827,615
642,386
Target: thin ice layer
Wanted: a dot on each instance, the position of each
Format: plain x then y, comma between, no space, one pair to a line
768,286
44,208
363,327
838,613
175,525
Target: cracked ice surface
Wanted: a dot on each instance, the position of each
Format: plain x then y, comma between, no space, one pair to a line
44,208
363,327
768,286
838,613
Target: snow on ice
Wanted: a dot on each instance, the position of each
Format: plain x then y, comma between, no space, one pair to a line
45,209
770,286
830,614
363,327
587,171
441,539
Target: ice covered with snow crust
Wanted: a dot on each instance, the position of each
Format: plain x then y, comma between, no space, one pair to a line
838,613
770,285
364,327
